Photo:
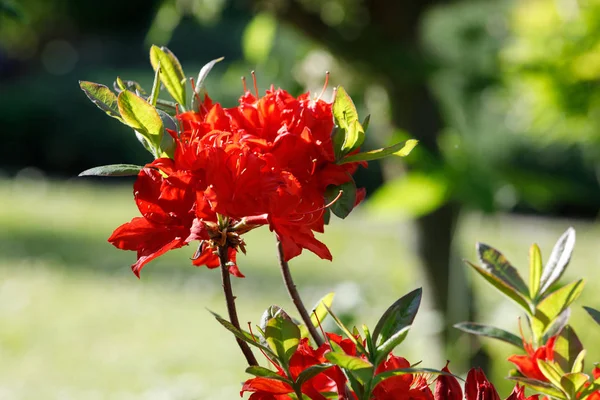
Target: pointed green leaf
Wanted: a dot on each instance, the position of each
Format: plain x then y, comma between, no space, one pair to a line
501,285
390,344
345,330
338,135
283,337
198,89
571,383
579,362
542,387
243,335
558,325
495,263
102,97
559,259
342,198
553,304
398,316
401,149
319,311
172,74
595,314
491,332
141,116
155,86
551,371
365,123
346,117
263,372
311,372
119,85
566,348
360,368
113,170
535,270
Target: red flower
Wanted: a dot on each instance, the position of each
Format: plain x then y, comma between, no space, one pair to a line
447,387
403,387
518,393
527,364
477,387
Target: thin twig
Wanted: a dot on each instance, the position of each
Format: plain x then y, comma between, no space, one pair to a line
230,299
295,296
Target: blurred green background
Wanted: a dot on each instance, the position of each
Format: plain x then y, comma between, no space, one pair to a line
503,96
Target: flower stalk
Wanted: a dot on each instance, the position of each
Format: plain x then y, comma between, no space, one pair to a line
295,296
230,300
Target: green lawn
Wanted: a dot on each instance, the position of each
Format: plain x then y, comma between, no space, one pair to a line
75,323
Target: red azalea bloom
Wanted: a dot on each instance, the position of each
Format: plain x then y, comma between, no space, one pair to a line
527,364
403,387
477,387
447,387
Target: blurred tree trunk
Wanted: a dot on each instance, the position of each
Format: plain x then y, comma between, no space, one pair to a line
388,46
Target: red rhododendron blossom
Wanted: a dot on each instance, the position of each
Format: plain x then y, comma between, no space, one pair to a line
477,387
447,387
403,387
267,161
527,364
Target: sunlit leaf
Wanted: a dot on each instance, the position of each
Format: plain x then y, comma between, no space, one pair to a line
579,362
345,330
360,368
257,370
491,332
557,325
172,75
141,116
243,335
551,371
311,372
401,149
559,259
403,371
346,117
495,263
155,86
573,382
553,304
102,97
113,170
398,316
320,311
535,270
198,89
567,348
283,337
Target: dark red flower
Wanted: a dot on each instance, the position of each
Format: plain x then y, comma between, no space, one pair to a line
477,387
527,364
447,387
402,387
518,393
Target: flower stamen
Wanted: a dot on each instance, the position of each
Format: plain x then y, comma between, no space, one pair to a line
254,81
324,86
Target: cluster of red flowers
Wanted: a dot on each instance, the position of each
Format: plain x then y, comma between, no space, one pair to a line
267,161
400,387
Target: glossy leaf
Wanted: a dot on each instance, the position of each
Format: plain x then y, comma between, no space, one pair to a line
102,97
572,383
501,285
550,371
263,372
595,314
198,89
172,75
283,337
346,117
553,304
559,259
535,270
390,344
342,198
542,387
398,316
345,330
567,348
495,263
311,372
360,368
141,116
491,332
320,311
113,170
579,362
401,149
243,335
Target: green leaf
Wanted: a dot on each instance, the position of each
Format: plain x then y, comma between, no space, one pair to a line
155,86
345,330
550,371
495,263
365,123
491,332
198,89
553,304
141,116
172,75
559,259
346,117
401,149
557,326
338,135
113,170
579,361
535,270
283,337
119,85
501,285
320,311
243,335
572,383
263,372
360,368
398,316
390,344
342,198
311,372
102,97
595,314
567,348
403,371
258,37
542,387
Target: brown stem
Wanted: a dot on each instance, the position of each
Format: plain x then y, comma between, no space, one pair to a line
295,296
230,299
